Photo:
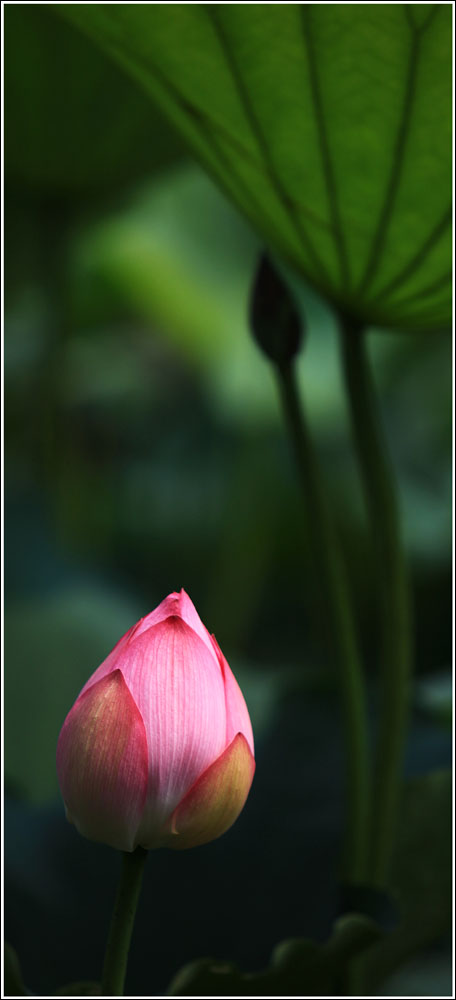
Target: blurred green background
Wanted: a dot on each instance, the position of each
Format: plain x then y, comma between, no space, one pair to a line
145,452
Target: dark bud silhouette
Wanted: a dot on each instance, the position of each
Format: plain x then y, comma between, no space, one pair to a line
275,321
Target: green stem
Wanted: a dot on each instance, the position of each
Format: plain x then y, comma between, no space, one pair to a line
381,501
330,569
116,955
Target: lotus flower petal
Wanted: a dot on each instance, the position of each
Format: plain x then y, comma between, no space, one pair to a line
102,763
237,716
216,799
160,730
177,604
178,688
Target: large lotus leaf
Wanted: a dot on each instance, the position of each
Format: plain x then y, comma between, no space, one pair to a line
74,122
329,125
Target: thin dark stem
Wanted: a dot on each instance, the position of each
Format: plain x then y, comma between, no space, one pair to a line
381,501
328,562
116,955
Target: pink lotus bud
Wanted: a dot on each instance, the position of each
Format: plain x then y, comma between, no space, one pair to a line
157,750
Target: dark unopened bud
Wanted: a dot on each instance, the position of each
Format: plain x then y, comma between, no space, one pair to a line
274,319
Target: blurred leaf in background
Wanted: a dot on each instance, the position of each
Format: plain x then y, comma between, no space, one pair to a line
74,124
164,427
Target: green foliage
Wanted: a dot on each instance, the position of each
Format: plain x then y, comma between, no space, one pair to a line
154,256
421,876
74,123
298,967
209,516
328,125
